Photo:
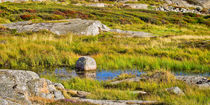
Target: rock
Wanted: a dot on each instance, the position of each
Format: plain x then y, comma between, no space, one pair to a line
21,85
7,102
3,42
132,33
175,90
96,5
123,1
59,86
86,63
58,95
77,26
13,84
119,102
136,79
199,81
139,92
136,6
76,93
44,88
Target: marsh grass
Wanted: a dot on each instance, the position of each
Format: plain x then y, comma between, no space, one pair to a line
156,90
44,49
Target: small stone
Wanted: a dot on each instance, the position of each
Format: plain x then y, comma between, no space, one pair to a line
175,90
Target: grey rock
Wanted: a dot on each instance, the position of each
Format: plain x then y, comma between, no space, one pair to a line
175,90
123,1
200,81
132,33
20,85
86,63
58,95
139,92
184,3
43,88
59,86
96,5
136,79
77,26
7,102
136,6
80,94
13,84
118,102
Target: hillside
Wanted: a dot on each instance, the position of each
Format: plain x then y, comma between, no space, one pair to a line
89,52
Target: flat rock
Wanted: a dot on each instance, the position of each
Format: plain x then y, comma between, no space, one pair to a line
118,102
77,26
137,34
136,6
136,79
195,80
96,5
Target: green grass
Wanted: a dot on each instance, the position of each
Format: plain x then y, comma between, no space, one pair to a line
182,44
44,49
157,22
155,88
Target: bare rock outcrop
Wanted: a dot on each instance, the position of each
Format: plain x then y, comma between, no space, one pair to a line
77,26
119,102
18,86
189,3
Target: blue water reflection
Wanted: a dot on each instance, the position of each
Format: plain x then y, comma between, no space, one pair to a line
103,75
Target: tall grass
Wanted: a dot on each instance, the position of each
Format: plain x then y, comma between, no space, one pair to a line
155,88
45,49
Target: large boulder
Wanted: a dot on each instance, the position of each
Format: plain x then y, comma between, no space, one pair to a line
86,63
20,86
77,26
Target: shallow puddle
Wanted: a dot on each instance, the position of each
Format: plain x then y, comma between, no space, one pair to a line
102,75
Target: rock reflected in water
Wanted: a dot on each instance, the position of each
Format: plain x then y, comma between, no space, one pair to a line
91,74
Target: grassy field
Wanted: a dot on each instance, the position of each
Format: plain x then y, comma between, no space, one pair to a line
183,42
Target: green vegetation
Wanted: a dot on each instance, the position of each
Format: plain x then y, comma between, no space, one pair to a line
157,22
43,49
155,88
184,45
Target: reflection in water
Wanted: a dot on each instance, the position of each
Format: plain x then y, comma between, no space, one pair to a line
91,74
101,75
